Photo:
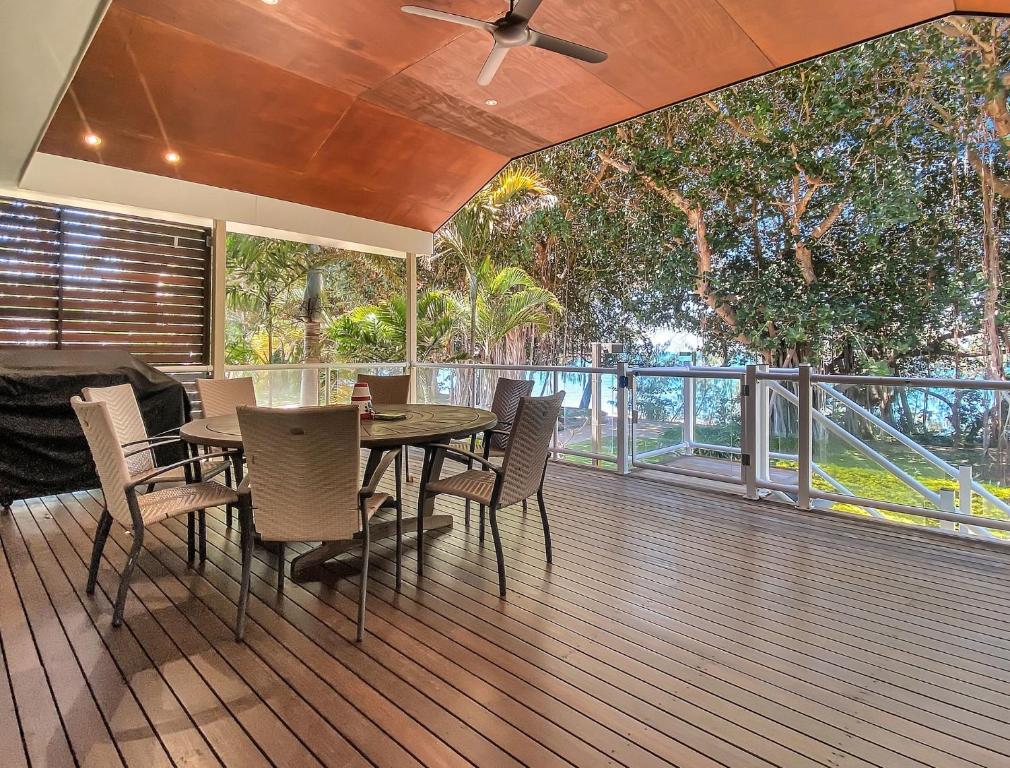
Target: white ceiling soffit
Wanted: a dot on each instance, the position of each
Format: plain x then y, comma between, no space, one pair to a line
66,179
41,44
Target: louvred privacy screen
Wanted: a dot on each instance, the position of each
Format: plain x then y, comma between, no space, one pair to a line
72,278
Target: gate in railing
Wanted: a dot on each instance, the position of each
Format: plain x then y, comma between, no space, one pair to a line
804,438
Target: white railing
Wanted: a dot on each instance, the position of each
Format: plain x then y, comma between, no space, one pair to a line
592,434
716,424
827,415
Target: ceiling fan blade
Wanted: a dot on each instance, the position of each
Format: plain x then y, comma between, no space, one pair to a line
494,60
526,8
455,18
566,47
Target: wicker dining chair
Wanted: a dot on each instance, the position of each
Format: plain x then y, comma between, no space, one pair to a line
390,390
304,481
131,509
520,476
132,433
220,397
504,402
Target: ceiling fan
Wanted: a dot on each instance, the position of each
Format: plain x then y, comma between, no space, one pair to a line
512,31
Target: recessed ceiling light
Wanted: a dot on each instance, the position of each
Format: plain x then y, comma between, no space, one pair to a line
92,140
491,102
270,2
172,156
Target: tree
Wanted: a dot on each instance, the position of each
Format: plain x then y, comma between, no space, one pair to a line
378,332
483,224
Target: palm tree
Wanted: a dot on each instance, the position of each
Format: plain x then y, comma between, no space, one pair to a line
378,332
507,310
471,235
260,272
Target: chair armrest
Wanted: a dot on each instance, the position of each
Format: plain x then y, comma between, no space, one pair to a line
149,443
148,446
245,487
145,479
380,470
172,431
465,456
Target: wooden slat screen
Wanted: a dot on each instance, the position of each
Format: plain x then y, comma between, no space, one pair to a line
78,279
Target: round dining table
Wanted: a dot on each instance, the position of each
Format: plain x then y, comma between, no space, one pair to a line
421,424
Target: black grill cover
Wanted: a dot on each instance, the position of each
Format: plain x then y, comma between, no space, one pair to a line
42,448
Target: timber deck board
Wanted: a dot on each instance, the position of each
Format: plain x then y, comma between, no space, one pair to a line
675,627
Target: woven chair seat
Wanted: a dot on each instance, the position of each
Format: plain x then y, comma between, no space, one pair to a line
169,502
474,484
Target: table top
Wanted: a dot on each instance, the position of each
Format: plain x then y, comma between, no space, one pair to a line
423,424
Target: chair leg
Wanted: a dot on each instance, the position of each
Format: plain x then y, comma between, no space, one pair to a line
422,497
480,536
280,565
543,519
101,536
202,515
245,524
524,507
124,580
365,548
191,538
399,524
228,509
499,555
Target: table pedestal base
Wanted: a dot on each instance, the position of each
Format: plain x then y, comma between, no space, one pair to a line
386,529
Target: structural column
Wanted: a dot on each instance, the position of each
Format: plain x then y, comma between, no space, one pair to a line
218,283
411,324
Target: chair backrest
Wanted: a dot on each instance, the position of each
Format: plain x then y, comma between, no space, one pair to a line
507,393
528,446
304,470
100,431
126,420
220,397
388,390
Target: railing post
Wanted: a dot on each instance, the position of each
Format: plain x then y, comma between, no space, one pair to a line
595,399
556,381
689,392
806,436
621,430
964,488
762,423
750,431
947,505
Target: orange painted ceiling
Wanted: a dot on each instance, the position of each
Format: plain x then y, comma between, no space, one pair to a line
354,106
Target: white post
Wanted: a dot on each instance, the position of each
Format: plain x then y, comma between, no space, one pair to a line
621,430
763,427
556,381
218,288
750,430
947,505
411,309
964,488
595,398
689,392
806,436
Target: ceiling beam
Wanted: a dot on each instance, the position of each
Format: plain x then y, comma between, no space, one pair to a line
84,182
42,43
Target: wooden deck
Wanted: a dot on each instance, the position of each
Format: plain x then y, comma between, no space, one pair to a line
674,628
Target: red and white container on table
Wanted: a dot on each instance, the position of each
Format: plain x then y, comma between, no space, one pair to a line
361,396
